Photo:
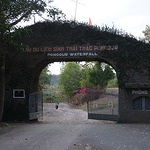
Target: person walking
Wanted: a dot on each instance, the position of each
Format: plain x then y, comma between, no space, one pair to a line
57,105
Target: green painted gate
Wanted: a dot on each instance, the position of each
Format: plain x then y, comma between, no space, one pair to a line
105,107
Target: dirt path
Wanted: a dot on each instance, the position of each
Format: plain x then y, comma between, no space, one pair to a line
65,113
69,129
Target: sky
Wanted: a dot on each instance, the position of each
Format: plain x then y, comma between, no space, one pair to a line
131,16
54,68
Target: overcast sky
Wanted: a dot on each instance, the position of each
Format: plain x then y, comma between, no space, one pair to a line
129,15
132,16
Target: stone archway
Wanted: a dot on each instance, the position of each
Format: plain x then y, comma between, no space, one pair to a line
49,42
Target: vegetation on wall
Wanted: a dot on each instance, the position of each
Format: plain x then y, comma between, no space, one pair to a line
146,33
130,54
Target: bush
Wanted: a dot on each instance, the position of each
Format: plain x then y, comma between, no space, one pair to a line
112,83
85,95
52,94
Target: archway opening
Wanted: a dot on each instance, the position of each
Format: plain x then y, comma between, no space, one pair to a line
99,94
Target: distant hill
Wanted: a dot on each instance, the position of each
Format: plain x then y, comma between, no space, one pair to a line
54,79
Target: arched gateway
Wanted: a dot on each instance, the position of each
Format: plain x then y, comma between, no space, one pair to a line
51,42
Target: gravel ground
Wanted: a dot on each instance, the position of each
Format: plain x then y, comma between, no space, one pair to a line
69,129
65,113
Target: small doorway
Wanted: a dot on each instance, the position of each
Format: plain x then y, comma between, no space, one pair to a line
141,103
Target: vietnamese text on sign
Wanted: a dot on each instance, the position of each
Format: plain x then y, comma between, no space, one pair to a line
75,48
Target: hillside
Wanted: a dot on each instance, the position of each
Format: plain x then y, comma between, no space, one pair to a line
54,79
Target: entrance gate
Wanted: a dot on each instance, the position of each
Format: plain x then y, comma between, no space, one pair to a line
104,108
50,42
35,105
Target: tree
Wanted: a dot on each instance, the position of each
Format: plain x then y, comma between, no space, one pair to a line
70,77
11,13
86,68
108,74
45,77
99,77
96,76
147,34
55,14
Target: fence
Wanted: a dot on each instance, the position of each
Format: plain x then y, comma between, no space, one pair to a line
104,108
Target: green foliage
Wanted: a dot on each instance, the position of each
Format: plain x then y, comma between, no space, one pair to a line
90,75
45,77
13,12
147,34
70,77
75,76
98,77
108,73
54,79
56,14
52,94
86,68
112,83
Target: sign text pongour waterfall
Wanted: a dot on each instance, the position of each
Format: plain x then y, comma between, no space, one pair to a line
75,48
59,54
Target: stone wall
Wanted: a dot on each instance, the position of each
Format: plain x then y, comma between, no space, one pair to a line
52,42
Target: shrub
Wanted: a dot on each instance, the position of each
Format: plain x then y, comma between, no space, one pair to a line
85,95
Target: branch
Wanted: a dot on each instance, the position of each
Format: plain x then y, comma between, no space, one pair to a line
18,20
32,7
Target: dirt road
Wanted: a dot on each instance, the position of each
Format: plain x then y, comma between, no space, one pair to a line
65,113
69,129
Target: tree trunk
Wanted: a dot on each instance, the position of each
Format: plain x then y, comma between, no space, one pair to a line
2,85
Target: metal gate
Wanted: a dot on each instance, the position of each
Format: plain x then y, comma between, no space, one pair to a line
104,108
35,105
